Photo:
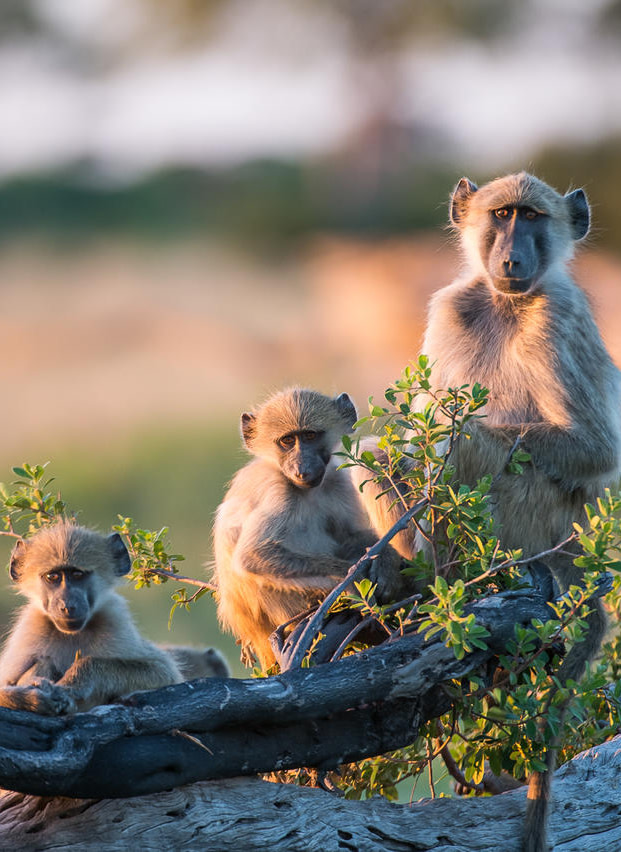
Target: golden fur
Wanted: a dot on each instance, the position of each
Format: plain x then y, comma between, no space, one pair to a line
279,548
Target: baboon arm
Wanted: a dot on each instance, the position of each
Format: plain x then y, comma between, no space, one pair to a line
18,670
570,458
275,564
44,667
98,680
564,456
354,544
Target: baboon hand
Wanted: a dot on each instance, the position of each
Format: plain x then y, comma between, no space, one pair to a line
44,697
247,655
385,573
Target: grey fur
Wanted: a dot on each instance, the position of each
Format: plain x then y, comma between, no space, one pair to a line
198,662
538,350
74,645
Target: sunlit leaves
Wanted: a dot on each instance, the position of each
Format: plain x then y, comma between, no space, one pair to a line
28,503
460,559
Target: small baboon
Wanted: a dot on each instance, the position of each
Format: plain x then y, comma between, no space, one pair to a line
291,524
516,322
74,645
198,662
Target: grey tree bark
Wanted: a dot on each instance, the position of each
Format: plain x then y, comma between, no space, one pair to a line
249,815
75,775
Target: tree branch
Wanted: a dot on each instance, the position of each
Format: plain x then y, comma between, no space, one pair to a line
362,705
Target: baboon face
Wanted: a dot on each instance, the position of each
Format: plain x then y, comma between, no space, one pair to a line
67,596
303,457
297,430
67,571
515,247
516,227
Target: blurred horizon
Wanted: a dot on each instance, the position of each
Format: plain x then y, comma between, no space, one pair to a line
201,202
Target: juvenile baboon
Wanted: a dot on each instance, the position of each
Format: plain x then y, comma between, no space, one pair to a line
291,524
516,322
74,645
198,662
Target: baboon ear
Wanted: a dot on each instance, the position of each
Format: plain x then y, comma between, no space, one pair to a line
346,409
248,428
17,559
579,214
460,199
120,557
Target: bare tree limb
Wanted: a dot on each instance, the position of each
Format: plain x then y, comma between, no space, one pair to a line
362,705
252,815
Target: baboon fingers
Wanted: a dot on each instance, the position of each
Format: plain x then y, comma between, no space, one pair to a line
41,697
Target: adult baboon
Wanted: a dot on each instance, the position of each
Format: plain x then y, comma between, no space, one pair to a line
516,322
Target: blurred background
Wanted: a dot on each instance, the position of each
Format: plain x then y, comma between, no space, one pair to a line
204,200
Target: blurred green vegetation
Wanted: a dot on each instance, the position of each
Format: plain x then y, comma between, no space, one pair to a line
159,479
264,204
270,205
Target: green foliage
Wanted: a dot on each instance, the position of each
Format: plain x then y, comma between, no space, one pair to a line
507,720
28,505
151,562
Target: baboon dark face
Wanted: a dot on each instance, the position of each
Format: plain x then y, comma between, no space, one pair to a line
68,596
67,571
515,248
297,430
517,228
304,457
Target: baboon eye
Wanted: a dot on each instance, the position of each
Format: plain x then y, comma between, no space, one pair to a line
52,577
501,213
531,214
76,574
310,436
287,441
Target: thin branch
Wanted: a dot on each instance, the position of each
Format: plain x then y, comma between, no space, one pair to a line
350,637
170,575
456,773
509,563
500,473
357,570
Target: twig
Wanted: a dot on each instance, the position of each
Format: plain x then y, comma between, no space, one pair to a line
509,563
432,788
351,636
170,575
456,773
177,733
500,473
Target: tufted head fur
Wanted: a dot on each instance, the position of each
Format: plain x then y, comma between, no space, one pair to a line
297,410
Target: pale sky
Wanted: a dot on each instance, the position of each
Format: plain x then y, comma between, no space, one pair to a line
273,82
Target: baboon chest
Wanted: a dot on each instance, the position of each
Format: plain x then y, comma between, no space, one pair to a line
504,347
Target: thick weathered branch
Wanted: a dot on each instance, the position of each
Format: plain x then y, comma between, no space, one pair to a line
360,706
252,815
